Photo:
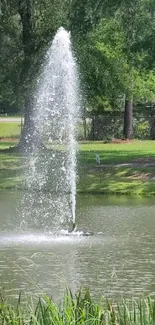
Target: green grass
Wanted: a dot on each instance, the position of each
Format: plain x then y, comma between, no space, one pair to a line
116,180
116,153
121,180
10,129
6,145
79,310
108,179
10,167
10,170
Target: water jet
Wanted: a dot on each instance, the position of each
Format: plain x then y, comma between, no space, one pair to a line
55,115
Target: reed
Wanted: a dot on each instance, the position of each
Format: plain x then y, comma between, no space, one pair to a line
78,310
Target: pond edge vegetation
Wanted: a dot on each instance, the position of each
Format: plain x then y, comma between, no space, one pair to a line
78,309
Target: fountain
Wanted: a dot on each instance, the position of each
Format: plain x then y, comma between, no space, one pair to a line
50,175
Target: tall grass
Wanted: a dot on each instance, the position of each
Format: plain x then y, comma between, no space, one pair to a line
79,310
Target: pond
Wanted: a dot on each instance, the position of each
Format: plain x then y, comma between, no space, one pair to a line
118,260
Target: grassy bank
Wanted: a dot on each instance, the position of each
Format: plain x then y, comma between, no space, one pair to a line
117,180
79,310
126,168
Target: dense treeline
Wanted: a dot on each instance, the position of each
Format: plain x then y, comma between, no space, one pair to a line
114,43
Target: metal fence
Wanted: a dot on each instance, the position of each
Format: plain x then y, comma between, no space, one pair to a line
103,127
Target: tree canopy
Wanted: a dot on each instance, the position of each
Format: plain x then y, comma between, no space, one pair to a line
114,43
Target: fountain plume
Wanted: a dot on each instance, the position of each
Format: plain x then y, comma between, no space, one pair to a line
55,116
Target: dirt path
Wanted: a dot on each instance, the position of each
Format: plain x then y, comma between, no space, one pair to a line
10,119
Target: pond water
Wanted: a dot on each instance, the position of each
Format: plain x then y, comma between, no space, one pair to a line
118,260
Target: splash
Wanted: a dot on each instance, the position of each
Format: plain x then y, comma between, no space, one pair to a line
50,176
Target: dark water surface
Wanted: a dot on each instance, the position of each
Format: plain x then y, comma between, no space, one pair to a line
119,261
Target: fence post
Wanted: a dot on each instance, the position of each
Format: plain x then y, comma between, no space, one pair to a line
85,128
93,122
21,126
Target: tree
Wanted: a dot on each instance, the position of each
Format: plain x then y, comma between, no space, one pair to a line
114,60
10,60
37,29
114,42
137,25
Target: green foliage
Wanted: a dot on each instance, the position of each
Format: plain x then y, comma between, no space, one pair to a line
10,61
114,58
84,15
113,41
80,310
26,29
142,130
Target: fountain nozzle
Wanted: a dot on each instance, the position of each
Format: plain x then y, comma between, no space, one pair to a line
74,226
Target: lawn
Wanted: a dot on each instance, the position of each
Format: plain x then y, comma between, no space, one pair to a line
10,170
10,129
117,180
110,177
116,152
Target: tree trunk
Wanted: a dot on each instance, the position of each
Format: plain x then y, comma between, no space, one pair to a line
152,129
25,11
27,137
128,119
